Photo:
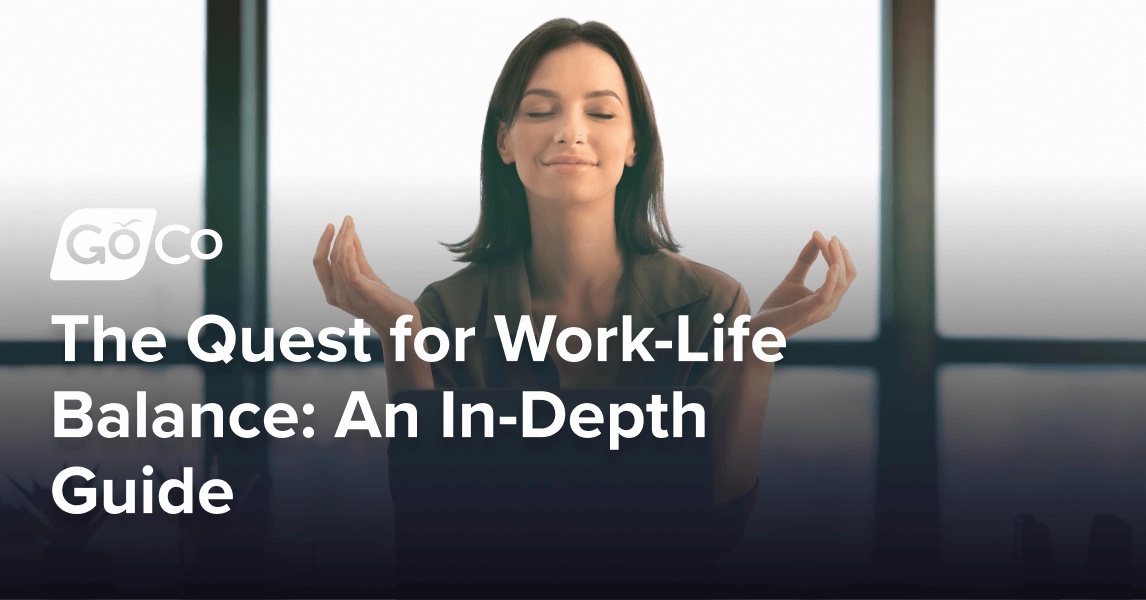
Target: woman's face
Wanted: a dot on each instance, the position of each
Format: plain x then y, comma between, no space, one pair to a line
575,110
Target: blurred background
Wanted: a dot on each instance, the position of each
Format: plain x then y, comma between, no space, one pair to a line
985,163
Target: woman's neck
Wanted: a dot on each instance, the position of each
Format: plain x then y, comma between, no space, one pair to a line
575,255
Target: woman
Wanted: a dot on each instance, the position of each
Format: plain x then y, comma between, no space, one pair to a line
573,225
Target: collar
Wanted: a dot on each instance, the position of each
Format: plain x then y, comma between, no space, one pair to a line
658,284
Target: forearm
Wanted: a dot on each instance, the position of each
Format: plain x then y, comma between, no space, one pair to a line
738,428
411,373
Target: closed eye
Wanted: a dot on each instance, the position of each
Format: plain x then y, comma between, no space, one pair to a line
534,114
602,116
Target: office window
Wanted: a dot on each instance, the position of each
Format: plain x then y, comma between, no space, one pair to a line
28,448
29,455
1040,158
768,112
103,108
1061,444
817,470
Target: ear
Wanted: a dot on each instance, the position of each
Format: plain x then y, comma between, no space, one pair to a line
504,145
631,155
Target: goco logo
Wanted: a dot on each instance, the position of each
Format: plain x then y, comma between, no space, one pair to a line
110,244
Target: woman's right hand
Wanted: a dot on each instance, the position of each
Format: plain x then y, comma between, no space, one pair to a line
350,284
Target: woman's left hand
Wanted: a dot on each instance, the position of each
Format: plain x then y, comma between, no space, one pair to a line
792,307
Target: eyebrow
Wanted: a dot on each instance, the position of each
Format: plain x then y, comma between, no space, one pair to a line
553,94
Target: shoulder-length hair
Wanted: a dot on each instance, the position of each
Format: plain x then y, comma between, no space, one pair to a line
503,228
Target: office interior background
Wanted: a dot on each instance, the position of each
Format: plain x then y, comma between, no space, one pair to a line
985,162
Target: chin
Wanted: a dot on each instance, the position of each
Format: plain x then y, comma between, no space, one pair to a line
572,193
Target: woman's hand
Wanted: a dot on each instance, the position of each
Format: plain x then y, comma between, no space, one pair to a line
792,307
350,284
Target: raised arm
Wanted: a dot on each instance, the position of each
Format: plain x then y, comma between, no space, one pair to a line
350,284
744,386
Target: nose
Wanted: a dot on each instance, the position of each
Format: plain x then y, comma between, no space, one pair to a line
571,130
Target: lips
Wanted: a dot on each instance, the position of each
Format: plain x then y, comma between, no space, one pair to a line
570,160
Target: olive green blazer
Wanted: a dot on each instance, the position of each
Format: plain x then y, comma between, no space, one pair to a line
658,288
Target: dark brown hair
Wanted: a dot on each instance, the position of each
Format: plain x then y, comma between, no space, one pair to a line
503,228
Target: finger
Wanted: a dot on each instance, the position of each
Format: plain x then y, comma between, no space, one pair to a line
824,245
838,256
363,264
348,258
322,252
804,262
826,291
848,263
336,246
322,263
350,254
346,277
841,273
342,291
